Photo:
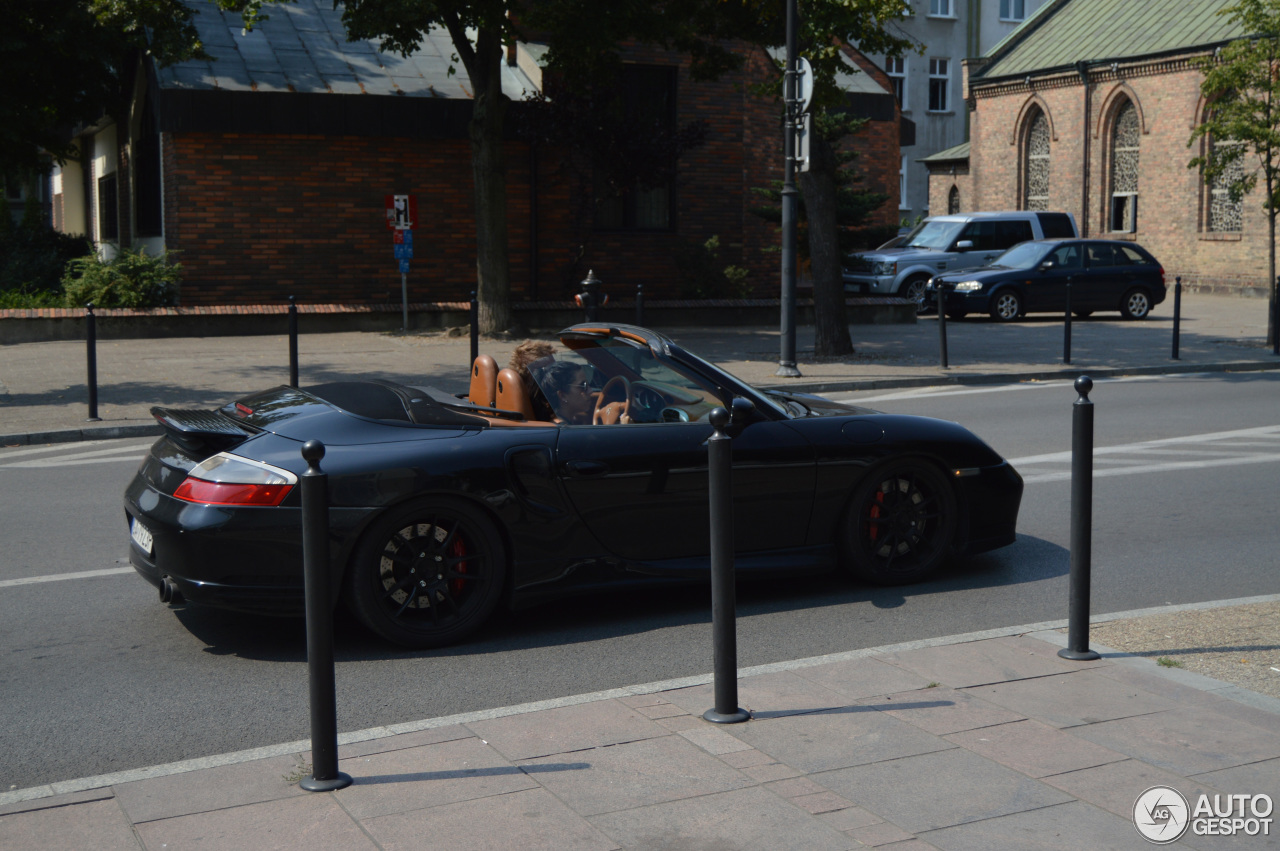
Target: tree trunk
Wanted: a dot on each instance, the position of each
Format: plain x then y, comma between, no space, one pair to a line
830,320
489,167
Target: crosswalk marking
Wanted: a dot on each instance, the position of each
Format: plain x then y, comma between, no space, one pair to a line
125,452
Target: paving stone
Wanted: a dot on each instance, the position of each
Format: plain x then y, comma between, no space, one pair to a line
1035,749
567,728
850,818
714,741
431,775
995,660
766,696
1116,786
209,789
770,772
743,820
51,801
826,740
315,822
401,742
1159,682
530,820
861,678
660,710
1066,827
942,710
637,774
822,802
99,825
746,758
1186,740
1254,777
946,788
795,787
881,833
1068,700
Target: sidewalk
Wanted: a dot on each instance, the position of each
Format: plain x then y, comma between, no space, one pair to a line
985,741
44,392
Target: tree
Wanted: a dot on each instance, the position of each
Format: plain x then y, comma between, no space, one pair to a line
1241,134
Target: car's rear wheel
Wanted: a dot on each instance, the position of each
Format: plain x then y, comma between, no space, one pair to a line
427,574
1006,306
914,289
1136,304
900,525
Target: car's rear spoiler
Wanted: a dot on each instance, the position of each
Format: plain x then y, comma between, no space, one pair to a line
194,429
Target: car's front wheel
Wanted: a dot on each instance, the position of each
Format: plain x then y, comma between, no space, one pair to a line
427,574
1006,306
900,525
1136,304
915,289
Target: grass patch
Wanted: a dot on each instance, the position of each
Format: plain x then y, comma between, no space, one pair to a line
1166,662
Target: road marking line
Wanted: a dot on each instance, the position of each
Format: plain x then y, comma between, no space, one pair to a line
1261,431
1063,475
63,447
58,577
132,451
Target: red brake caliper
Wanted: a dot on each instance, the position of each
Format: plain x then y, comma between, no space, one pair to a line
874,529
457,548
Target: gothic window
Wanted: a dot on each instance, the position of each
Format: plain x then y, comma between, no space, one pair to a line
1125,134
953,200
1037,163
1224,212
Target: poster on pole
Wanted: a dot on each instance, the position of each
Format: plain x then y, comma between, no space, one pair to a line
402,212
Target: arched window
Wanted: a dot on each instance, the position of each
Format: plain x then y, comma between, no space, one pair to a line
953,200
1125,134
1036,163
1225,213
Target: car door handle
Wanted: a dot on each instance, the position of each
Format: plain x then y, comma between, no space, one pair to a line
586,468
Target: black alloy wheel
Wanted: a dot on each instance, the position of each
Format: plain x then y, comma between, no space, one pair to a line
1006,306
1136,304
901,523
428,574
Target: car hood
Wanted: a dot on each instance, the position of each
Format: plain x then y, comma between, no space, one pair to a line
984,274
887,254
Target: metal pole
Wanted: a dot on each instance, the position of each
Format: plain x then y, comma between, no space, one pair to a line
1081,524
475,327
787,358
91,355
723,614
1275,323
293,342
942,323
1177,313
1066,327
640,305
325,776
404,302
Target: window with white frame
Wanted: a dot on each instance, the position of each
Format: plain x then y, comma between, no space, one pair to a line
1013,10
940,8
939,83
896,68
903,204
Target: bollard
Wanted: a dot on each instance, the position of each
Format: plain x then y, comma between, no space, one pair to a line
942,323
475,327
325,776
293,342
91,356
1081,524
1066,327
723,614
591,299
640,305
1275,320
1177,312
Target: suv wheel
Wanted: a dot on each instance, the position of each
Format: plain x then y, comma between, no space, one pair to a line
914,289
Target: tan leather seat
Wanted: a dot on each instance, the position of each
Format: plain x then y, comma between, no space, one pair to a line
484,381
512,395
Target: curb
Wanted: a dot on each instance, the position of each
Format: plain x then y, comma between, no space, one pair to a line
73,435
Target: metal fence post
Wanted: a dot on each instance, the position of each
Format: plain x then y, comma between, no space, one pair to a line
325,776
293,342
1066,327
1081,524
91,356
475,327
1177,313
723,605
941,291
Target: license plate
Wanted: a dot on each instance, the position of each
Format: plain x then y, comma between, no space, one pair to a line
141,536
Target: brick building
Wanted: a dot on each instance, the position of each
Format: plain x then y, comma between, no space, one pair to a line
267,170
1088,108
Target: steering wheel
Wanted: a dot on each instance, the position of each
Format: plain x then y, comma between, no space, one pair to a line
608,413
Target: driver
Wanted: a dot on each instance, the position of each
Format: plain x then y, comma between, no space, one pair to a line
568,391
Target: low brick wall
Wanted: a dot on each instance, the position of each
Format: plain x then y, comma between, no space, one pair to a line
29,326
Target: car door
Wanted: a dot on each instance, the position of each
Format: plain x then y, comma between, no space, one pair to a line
641,488
1046,288
1108,276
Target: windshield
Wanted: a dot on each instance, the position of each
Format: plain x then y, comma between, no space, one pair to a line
937,235
1025,256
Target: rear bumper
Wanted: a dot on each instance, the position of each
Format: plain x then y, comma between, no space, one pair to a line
998,492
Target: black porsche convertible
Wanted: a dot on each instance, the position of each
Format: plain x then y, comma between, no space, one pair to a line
589,470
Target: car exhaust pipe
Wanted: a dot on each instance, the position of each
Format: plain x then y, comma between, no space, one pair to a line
169,592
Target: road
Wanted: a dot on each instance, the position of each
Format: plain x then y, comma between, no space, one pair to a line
99,676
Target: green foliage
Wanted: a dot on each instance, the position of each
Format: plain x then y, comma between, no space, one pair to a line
33,257
703,275
1166,662
132,279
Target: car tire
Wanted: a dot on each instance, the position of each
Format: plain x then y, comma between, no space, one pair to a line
914,289
1006,306
1082,314
900,523
427,574
1136,304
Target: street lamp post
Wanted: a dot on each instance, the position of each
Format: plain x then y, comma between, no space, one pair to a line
787,360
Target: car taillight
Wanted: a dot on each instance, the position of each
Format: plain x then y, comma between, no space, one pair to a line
1161,268
227,479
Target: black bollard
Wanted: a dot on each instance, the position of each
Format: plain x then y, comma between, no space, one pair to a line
293,342
941,296
723,614
640,305
1066,327
475,327
325,776
91,355
1177,312
1081,524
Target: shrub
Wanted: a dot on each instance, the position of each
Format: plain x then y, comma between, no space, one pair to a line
132,279
33,258
704,276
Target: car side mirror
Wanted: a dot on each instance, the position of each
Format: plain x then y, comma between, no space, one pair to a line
964,245
1047,265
